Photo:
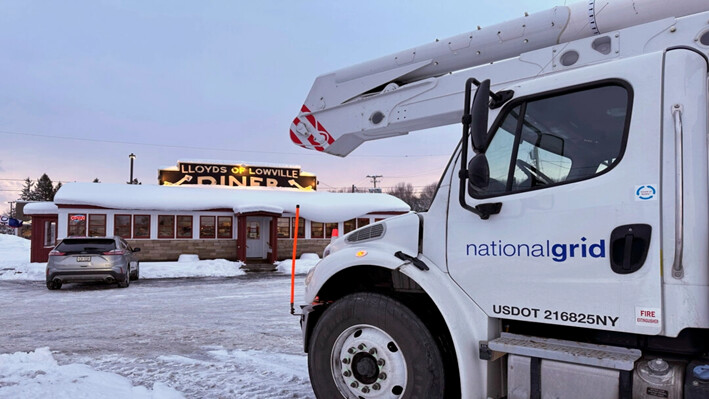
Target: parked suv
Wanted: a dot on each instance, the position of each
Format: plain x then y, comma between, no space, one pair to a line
108,259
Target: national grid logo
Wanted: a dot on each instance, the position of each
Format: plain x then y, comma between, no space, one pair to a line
558,252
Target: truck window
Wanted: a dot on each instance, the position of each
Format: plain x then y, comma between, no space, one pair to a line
557,139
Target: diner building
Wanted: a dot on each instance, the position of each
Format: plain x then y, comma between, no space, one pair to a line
212,209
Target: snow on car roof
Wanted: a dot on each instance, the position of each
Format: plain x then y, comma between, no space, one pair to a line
314,205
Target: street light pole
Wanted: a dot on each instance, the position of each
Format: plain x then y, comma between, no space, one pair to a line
132,158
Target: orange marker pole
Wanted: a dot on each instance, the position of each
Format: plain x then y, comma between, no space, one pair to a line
292,271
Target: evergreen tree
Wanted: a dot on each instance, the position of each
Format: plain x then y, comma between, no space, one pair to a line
56,188
27,192
44,190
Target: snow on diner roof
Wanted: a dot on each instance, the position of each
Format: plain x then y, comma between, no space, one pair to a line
314,205
40,208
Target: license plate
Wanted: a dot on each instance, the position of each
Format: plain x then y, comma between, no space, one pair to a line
83,259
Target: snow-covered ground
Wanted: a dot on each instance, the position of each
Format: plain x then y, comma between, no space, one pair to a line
225,335
15,264
38,375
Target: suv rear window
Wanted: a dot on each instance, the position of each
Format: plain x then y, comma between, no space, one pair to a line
86,245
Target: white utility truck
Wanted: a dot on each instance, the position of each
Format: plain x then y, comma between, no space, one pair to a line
566,252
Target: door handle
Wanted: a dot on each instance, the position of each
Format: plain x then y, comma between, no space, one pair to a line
630,244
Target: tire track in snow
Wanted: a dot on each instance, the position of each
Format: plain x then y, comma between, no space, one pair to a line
240,374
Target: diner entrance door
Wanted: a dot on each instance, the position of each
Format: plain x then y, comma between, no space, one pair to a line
257,237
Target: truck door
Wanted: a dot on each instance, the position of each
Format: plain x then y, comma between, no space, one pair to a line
685,199
575,161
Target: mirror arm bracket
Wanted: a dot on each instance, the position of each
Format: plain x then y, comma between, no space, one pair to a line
500,98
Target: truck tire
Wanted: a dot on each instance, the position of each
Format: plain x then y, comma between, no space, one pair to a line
368,345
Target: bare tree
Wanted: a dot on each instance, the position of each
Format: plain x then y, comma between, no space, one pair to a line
352,189
426,196
405,192
418,202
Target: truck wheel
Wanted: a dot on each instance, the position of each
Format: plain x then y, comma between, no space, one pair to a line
370,346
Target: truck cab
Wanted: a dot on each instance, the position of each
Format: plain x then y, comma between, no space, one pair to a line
565,252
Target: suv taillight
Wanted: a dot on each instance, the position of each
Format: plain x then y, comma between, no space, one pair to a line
115,252
54,252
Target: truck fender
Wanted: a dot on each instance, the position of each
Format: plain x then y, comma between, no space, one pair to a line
466,322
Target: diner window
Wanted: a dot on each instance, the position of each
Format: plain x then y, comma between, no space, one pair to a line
97,225
283,227
329,227
224,226
77,224
317,230
141,226
301,227
206,227
122,226
361,222
349,225
184,226
166,226
50,233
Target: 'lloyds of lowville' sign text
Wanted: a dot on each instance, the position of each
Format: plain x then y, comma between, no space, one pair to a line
236,176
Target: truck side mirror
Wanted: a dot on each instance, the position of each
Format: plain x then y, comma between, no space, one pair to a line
479,113
478,173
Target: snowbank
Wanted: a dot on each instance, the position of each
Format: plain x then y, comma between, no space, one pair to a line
38,375
302,266
191,268
14,249
15,260
15,264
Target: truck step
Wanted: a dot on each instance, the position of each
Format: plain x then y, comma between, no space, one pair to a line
610,357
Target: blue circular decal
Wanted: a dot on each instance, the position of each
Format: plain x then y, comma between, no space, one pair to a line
646,192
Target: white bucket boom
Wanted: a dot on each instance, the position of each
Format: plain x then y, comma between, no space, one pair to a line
494,43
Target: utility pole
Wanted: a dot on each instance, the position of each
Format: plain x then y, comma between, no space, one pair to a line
132,158
374,181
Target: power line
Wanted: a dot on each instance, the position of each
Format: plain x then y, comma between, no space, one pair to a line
311,153
35,181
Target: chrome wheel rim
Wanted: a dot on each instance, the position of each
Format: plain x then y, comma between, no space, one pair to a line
368,363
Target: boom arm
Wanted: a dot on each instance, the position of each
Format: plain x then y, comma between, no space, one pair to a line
364,102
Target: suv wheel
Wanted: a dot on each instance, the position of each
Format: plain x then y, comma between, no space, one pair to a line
126,280
136,275
54,285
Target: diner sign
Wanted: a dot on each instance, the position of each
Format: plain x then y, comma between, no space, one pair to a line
199,173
